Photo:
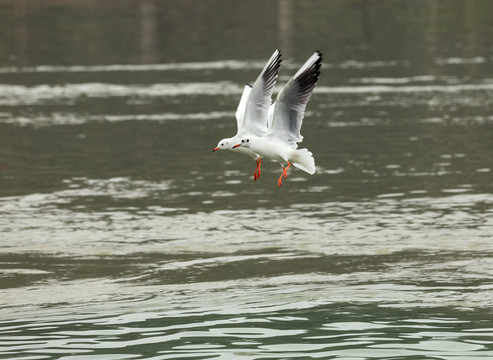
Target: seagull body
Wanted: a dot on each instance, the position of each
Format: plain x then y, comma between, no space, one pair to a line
253,110
285,120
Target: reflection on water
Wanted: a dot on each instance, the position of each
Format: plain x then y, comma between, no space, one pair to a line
91,216
123,236
304,330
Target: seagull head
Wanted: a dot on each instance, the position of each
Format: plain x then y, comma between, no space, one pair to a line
223,144
243,143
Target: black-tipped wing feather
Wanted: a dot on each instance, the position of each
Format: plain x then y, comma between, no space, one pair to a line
260,98
289,108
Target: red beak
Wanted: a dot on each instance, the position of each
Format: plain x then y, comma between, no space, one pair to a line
236,146
215,149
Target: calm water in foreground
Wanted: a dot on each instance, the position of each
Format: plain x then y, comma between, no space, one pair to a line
123,236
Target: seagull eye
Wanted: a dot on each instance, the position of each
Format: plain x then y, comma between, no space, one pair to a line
248,140
222,144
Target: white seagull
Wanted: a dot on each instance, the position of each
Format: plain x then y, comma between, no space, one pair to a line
285,119
252,111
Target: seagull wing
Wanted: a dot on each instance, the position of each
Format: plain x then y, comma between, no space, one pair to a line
240,111
289,108
259,100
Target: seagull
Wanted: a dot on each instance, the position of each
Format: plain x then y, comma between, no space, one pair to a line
285,119
252,111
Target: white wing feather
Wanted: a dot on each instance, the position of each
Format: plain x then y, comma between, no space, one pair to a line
240,111
259,100
289,108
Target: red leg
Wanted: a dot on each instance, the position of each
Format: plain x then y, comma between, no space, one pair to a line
285,170
259,165
256,174
284,174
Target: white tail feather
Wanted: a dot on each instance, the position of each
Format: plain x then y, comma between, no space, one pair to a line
303,159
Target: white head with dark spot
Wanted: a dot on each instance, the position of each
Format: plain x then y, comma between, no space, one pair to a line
244,143
223,145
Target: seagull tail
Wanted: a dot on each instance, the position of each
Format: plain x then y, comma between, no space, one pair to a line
303,159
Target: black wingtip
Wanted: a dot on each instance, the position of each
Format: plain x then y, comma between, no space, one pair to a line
309,78
271,72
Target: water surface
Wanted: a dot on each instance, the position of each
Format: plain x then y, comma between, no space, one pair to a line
124,236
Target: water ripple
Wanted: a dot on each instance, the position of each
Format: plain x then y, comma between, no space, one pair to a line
256,338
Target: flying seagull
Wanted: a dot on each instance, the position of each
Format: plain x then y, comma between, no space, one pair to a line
280,142
252,111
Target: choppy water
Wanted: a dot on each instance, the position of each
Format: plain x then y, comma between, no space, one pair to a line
124,236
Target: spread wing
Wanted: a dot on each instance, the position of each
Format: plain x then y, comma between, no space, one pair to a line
258,102
240,111
289,108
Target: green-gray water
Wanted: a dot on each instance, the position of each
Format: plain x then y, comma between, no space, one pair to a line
123,236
